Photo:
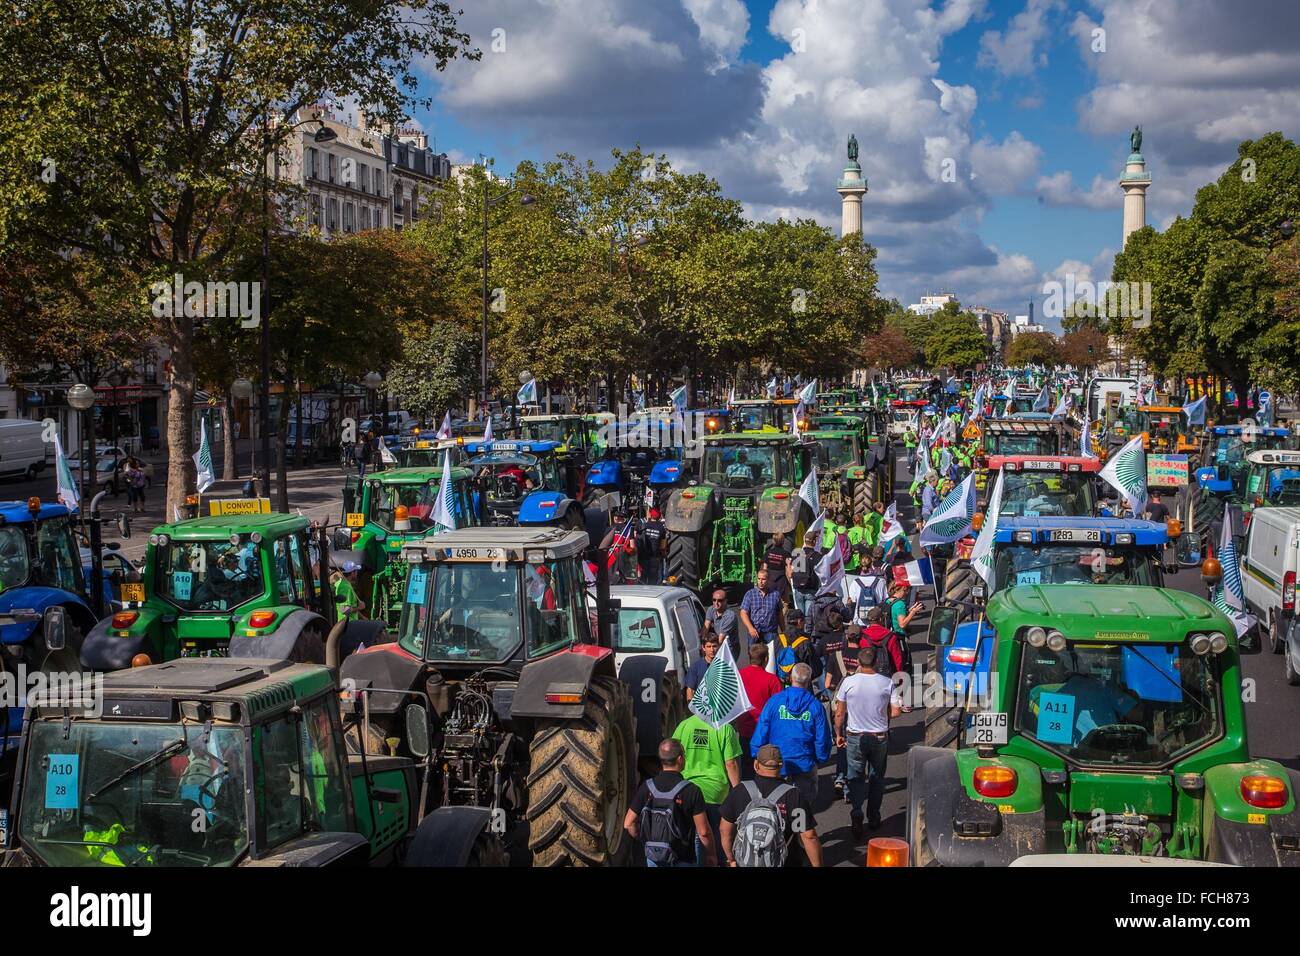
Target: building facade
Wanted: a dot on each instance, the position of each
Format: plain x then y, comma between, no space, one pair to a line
931,304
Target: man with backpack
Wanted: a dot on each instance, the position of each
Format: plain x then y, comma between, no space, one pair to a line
712,763
667,815
803,573
864,705
761,817
794,646
795,721
889,655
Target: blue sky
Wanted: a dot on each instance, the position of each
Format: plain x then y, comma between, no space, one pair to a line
1031,101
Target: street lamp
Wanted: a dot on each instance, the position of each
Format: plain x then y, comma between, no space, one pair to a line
242,389
525,199
373,381
82,398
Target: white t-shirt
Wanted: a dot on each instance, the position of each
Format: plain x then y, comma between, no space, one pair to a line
866,699
851,589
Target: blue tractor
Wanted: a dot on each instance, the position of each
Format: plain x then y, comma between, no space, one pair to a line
45,611
639,465
1056,550
522,483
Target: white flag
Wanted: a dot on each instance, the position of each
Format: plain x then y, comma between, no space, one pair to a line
386,456
809,492
527,394
1126,472
487,430
952,519
808,392
891,527
830,570
981,556
799,412
203,476
1085,440
720,697
443,513
444,430
66,483
816,526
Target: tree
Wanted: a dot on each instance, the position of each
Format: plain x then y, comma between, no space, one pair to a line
889,348
1283,339
154,117
1082,314
1085,347
1034,348
955,341
915,328
436,370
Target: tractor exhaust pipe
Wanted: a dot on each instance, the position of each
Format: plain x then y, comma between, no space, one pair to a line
333,640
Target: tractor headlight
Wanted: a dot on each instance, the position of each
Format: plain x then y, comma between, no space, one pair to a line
1200,644
1036,636
1056,641
1218,642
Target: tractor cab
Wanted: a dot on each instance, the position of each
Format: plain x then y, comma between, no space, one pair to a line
570,434
639,463
1113,728
1228,445
1030,434
532,725
206,763
221,586
429,452
523,482
912,391
741,462
1272,478
763,414
1048,486
1080,550
1164,429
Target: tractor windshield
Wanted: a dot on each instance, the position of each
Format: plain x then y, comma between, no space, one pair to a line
418,499
1071,564
209,575
14,562
745,466
1130,704
547,430
752,418
1035,494
836,453
58,560
1043,443
913,391
1273,485
121,794
469,612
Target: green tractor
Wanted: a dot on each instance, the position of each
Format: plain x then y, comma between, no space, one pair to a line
850,479
747,490
875,456
386,510
224,586
206,763
1112,724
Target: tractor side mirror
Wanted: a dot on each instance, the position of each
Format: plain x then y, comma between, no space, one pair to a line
417,730
943,626
123,525
55,628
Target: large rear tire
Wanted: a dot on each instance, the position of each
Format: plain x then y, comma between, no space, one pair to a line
580,781
865,493
683,564
958,579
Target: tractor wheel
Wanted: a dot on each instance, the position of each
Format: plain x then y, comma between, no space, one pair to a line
1275,639
310,646
488,851
683,564
940,733
580,781
1206,509
673,711
864,493
1292,676
958,579
573,520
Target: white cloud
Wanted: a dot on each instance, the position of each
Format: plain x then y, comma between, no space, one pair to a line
1018,51
1008,167
1058,189
723,25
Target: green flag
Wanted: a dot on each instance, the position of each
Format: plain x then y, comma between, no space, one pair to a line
721,697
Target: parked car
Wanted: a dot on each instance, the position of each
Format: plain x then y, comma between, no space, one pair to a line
1269,563
22,448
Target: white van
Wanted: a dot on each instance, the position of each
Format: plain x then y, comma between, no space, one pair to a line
22,452
1269,562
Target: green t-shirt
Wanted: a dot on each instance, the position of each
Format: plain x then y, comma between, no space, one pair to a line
871,526
707,753
855,535
345,595
897,611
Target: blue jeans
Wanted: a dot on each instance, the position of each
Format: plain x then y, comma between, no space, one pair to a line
803,601
714,812
867,756
676,863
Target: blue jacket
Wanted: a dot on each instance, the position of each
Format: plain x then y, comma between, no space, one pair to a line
795,721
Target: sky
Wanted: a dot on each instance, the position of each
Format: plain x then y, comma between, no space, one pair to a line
992,133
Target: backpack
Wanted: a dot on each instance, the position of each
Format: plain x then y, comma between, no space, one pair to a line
760,829
884,660
787,656
827,614
661,829
802,573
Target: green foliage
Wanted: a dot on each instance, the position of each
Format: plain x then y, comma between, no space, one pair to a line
955,341
1034,348
436,370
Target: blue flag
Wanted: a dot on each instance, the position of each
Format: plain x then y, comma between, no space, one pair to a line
1195,412
528,394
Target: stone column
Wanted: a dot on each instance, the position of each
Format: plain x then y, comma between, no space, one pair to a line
1134,182
852,187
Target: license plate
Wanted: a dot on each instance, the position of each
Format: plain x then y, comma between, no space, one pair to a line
355,519
1039,464
133,593
986,727
1077,535
205,648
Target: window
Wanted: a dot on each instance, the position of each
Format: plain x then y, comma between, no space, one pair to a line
365,217
349,217
379,182
637,630
333,167
397,198
333,219
316,218
57,558
363,177
323,768
208,575
311,163
280,790
14,565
